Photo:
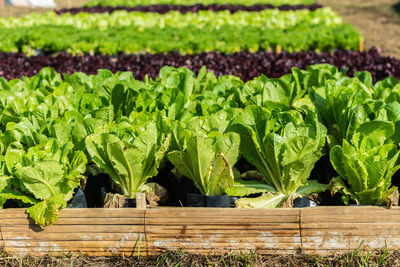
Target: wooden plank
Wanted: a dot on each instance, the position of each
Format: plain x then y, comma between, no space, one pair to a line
191,247
81,213
350,210
356,219
212,212
347,232
232,239
350,243
54,245
223,220
76,228
345,228
211,227
77,221
107,232
43,236
395,226
207,229
236,234
260,251
43,251
328,252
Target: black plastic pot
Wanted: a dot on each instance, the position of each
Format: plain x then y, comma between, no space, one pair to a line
197,200
130,203
79,200
304,203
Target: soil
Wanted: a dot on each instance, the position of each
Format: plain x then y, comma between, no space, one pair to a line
377,20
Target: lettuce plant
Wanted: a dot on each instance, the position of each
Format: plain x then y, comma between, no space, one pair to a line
283,146
335,101
44,178
366,164
192,2
129,153
206,153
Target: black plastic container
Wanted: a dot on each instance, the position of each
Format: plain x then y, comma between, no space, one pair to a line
130,203
79,200
197,200
96,190
304,203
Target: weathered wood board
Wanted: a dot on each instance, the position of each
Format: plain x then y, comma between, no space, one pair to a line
205,230
89,231
108,232
328,229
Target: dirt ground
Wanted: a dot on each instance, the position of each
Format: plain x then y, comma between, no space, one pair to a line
375,19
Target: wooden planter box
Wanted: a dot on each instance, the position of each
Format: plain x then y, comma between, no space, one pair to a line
110,232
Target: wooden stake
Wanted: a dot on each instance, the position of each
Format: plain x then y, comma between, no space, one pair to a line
361,45
141,200
278,49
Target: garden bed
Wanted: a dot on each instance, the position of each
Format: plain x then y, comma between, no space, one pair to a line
132,232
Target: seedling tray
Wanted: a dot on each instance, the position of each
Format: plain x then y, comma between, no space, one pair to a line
132,232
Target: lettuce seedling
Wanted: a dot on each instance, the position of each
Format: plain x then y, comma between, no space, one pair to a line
44,177
366,164
205,153
284,147
129,153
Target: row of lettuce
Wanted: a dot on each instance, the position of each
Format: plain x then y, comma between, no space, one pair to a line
54,130
140,32
266,19
191,2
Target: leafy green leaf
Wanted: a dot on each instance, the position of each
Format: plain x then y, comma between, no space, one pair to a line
244,188
267,200
45,212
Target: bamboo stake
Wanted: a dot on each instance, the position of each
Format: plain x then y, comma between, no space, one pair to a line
361,45
278,49
141,200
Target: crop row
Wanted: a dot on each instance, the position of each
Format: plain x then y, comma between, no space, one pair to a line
189,39
244,65
266,19
229,137
191,2
162,9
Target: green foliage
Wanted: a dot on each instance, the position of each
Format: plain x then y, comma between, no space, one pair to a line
45,176
128,153
189,39
336,100
368,158
191,2
268,19
207,153
52,128
283,146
